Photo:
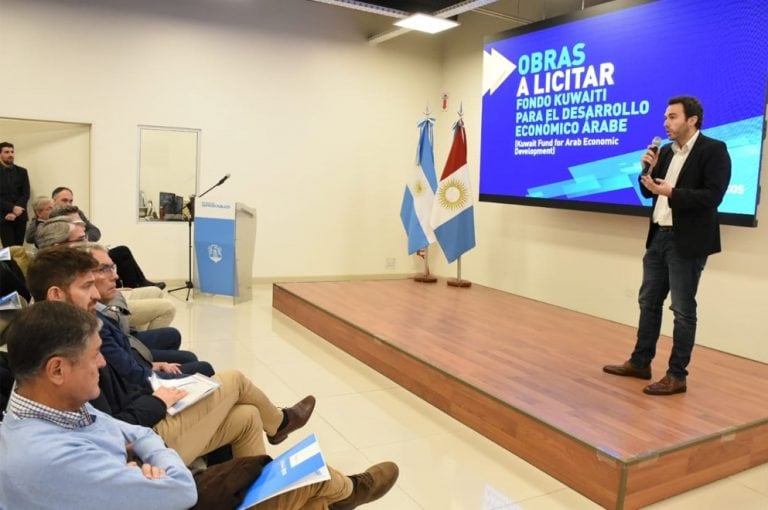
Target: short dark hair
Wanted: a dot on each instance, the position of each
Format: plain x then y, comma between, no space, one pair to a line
63,210
3,145
44,330
58,190
57,266
691,107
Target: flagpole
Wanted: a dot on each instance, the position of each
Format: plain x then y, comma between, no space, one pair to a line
458,282
426,276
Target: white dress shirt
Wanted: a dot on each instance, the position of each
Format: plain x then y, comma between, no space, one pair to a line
662,214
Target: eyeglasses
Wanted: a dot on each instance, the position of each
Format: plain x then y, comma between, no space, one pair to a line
106,268
83,238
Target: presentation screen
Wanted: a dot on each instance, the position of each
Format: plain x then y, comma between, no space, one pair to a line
571,104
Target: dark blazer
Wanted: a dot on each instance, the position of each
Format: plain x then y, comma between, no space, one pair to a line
700,188
127,402
117,350
14,190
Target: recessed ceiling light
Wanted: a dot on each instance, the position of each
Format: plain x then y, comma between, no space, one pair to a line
426,23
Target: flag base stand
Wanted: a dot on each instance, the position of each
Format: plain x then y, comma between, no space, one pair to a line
426,276
458,282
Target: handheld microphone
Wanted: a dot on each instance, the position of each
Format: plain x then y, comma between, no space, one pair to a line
653,148
228,175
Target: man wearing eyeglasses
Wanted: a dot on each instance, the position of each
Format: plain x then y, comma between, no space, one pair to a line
163,343
128,268
63,197
148,308
59,230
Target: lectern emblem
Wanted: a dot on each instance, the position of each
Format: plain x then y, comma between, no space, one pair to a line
214,253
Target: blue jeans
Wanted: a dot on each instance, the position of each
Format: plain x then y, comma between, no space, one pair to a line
160,338
164,344
664,270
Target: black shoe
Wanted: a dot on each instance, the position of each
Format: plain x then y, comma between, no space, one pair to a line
369,486
149,283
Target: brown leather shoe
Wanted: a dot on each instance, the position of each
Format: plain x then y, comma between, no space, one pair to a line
668,385
627,369
369,486
298,415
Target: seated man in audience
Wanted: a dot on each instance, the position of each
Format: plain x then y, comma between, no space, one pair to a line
59,230
129,359
63,197
163,343
57,451
150,309
130,273
41,209
237,413
146,307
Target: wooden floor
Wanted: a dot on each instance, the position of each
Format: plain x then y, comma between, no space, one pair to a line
528,376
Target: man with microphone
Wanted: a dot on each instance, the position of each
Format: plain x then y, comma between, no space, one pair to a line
687,180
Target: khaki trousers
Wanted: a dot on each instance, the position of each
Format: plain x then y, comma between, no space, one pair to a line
316,496
238,413
150,308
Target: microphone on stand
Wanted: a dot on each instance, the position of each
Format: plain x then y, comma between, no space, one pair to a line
189,284
655,143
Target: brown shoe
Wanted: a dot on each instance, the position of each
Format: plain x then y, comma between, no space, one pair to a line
298,415
627,369
369,486
668,385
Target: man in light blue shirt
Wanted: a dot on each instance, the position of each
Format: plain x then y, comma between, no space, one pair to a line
56,451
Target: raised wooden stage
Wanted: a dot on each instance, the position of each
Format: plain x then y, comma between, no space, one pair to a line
528,376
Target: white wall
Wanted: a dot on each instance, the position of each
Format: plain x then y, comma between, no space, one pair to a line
591,262
54,153
315,126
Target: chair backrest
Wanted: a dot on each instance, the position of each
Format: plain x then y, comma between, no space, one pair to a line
6,383
19,254
7,315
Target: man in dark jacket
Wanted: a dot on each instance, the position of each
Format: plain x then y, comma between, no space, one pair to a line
14,195
687,180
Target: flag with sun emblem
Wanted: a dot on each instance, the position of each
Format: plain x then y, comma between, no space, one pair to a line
453,217
420,192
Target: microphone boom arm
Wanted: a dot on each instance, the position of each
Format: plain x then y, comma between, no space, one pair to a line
221,181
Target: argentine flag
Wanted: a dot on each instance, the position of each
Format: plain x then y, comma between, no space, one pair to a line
453,216
420,192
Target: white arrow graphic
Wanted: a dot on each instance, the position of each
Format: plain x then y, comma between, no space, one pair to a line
496,69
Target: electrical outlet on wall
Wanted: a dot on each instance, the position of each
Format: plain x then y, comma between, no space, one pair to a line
390,263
